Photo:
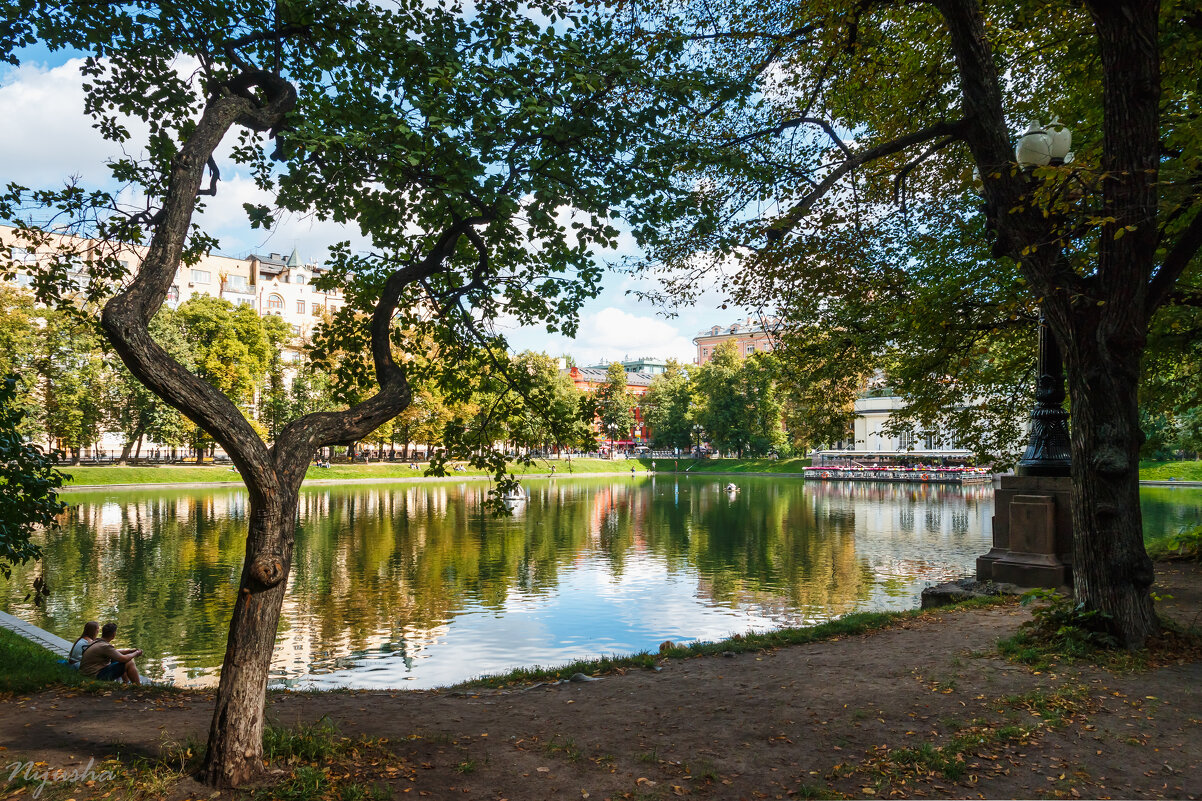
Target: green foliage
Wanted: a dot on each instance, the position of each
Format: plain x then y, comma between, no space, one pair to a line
844,210
737,402
668,408
615,406
1060,627
549,410
29,486
1185,545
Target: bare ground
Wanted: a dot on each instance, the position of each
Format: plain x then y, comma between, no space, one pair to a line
924,709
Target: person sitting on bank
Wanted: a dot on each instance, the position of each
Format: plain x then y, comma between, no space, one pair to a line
102,661
91,630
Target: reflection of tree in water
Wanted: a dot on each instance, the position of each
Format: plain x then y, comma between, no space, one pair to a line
161,566
390,566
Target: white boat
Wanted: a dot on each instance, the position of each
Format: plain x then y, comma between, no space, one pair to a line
514,497
732,488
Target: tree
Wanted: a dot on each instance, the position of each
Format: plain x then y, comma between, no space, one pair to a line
454,141
842,144
20,330
667,407
548,411
74,379
28,486
737,402
615,406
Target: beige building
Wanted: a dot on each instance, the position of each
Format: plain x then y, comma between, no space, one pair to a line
749,335
270,284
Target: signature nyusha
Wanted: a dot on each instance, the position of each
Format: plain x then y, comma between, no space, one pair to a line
37,772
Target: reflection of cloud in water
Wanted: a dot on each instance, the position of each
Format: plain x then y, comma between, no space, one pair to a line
412,585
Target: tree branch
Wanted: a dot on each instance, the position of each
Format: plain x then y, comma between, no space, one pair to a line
126,317
857,159
1175,262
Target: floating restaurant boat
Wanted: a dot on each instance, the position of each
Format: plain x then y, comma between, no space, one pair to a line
898,473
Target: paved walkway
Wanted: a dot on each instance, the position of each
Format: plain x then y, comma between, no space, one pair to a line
53,642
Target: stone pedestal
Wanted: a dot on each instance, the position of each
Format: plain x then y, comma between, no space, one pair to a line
1032,533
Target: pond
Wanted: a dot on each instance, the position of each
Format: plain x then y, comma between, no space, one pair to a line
413,585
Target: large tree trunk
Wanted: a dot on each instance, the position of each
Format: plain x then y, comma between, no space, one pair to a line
1111,569
125,451
235,749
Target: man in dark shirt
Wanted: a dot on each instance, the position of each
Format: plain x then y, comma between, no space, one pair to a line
102,661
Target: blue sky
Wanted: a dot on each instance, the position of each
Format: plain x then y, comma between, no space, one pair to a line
47,138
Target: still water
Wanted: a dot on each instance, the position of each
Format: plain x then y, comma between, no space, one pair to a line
413,585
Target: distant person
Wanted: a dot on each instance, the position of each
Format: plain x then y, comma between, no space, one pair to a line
91,630
102,661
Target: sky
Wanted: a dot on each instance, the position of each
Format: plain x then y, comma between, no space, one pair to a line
46,138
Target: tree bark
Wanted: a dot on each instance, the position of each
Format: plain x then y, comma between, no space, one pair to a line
125,451
272,475
1111,569
236,731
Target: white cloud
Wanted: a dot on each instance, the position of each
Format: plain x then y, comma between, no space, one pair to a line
225,218
46,138
610,334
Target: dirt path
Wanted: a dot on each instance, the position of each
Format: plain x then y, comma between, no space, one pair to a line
848,716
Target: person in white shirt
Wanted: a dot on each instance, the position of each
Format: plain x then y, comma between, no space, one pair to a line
90,630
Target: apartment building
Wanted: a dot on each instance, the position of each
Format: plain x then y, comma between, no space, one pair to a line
749,335
270,284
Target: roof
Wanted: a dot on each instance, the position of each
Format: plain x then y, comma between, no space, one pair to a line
273,264
751,325
595,375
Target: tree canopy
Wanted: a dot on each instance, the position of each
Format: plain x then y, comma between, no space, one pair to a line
484,155
849,206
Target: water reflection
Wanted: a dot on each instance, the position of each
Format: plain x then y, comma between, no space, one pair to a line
413,585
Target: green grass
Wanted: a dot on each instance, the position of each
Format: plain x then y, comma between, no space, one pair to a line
30,666
1163,471
847,626
34,668
210,474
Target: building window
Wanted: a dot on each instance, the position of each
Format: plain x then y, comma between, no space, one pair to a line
300,278
173,293
274,302
237,283
246,302
316,310
750,348
300,307
200,276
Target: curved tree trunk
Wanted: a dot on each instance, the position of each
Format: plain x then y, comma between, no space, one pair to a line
235,750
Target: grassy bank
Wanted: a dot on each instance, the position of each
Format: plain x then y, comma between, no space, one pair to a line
1165,471
30,666
209,474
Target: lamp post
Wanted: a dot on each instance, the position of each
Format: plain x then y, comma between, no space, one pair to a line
697,432
613,430
1048,451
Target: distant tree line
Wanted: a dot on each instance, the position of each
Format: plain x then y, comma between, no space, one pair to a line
736,400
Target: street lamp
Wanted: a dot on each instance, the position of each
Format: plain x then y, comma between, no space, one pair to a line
613,430
697,432
1049,451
